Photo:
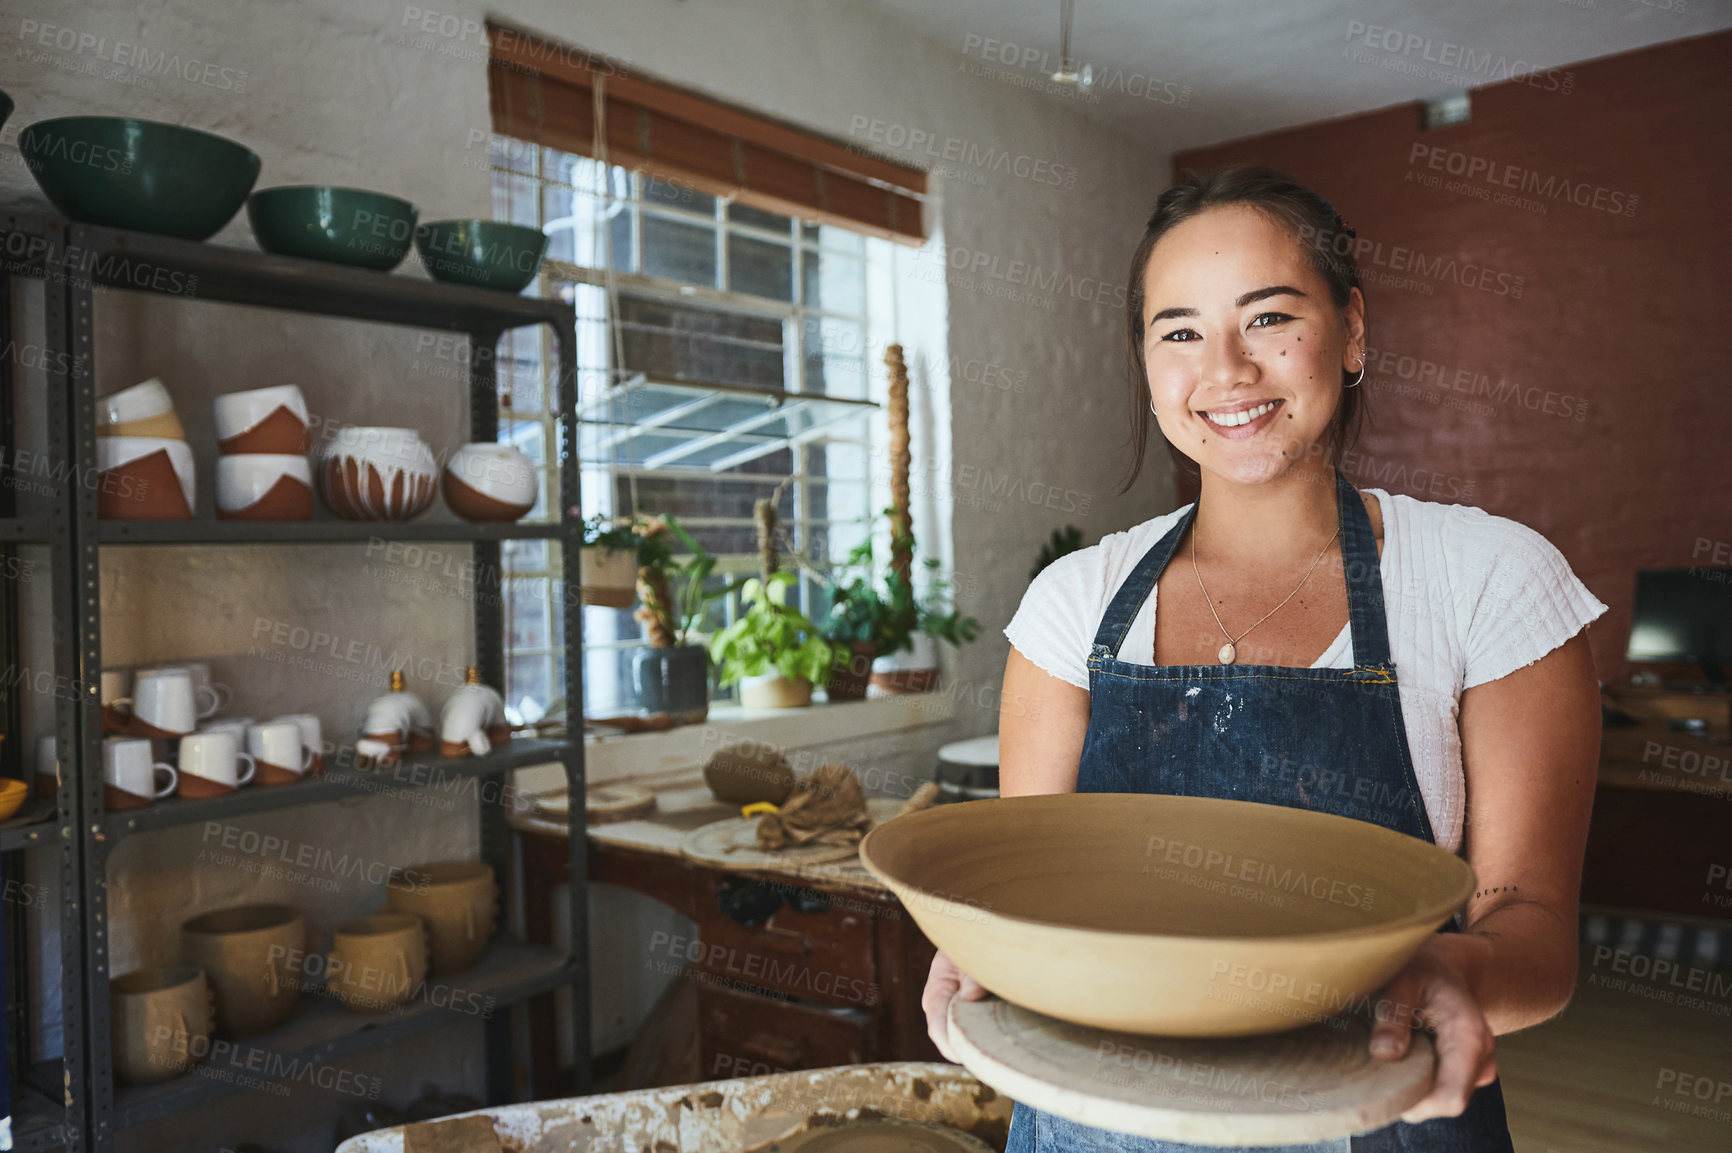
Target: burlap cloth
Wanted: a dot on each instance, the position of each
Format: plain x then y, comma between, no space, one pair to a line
826,808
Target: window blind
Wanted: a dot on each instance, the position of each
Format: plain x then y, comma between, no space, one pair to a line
545,93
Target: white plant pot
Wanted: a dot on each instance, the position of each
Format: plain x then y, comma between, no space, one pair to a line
608,579
775,691
912,670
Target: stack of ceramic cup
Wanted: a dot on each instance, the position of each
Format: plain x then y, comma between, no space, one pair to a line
263,438
141,451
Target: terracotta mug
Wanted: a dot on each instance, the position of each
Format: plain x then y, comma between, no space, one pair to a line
160,1023
130,774
47,766
262,420
250,954
167,702
234,726
145,478
459,902
378,962
145,409
281,755
210,765
264,486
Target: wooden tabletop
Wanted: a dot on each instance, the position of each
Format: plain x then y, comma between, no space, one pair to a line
683,805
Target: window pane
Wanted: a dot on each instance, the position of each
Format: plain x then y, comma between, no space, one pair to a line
659,190
835,357
531,677
758,218
679,251
517,155
527,625
525,555
831,236
760,268
832,282
514,199
673,341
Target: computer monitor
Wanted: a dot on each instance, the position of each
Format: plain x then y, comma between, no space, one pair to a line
1683,616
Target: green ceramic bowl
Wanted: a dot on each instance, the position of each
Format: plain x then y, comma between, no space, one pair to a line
337,225
484,253
139,174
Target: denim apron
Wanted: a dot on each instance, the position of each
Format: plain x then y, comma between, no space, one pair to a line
1329,740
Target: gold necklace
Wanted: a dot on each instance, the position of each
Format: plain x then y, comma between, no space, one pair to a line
1228,653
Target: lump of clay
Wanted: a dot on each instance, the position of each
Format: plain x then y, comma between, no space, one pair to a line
748,773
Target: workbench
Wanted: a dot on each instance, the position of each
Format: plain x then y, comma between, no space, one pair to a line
837,984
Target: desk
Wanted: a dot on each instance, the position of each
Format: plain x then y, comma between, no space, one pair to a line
839,984
1661,817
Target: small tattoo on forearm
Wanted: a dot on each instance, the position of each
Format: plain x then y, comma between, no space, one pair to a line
1499,889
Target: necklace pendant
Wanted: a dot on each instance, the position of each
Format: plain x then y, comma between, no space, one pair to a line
1227,653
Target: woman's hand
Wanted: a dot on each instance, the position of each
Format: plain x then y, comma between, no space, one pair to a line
1435,992
942,983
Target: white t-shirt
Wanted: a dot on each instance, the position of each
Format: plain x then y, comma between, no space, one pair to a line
1470,597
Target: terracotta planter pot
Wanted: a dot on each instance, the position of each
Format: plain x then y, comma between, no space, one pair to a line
160,1021
774,691
378,962
850,675
248,954
911,671
458,901
609,579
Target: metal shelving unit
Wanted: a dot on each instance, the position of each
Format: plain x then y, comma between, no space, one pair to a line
49,1102
80,258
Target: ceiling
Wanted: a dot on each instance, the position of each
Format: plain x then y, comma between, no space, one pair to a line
1254,66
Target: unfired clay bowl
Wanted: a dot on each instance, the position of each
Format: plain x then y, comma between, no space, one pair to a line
1180,916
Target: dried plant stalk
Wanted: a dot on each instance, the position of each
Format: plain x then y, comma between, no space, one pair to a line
902,548
769,559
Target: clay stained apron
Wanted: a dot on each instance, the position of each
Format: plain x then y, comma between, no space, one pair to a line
1329,740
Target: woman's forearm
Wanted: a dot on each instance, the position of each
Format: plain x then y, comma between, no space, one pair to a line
1519,959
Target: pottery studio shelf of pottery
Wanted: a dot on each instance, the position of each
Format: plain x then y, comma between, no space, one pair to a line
167,757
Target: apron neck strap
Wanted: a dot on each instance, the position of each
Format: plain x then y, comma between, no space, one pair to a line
1365,610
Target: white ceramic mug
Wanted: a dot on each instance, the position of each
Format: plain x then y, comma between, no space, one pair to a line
128,770
279,751
245,479
235,727
203,683
166,702
208,759
312,733
240,413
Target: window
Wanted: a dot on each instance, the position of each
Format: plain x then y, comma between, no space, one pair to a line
733,361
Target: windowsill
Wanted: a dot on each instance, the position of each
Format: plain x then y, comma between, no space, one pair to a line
643,757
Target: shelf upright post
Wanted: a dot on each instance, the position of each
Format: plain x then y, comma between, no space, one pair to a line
567,396
67,391
489,613
86,735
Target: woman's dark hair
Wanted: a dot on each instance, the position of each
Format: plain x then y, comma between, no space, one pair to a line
1327,240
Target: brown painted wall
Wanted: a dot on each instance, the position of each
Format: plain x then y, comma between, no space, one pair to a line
1563,364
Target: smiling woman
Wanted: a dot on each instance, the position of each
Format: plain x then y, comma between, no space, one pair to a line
1247,344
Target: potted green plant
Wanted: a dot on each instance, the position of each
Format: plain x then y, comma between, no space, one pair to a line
864,620
672,675
773,650
934,618
608,562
